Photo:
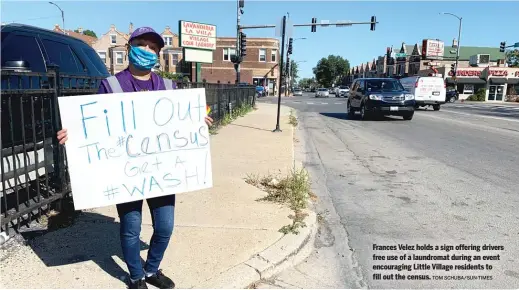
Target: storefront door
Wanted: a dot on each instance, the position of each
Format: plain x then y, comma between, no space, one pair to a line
496,93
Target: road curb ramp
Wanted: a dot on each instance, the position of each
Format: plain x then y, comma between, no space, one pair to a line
288,251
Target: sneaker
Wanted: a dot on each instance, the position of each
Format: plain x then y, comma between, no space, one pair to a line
139,284
160,281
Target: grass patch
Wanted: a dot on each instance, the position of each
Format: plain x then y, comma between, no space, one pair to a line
292,120
292,190
228,118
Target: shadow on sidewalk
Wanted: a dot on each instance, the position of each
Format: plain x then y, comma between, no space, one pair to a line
91,237
262,129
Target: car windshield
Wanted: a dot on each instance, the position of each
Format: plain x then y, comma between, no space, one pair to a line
344,87
384,85
323,90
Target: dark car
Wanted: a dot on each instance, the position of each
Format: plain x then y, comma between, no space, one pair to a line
33,49
38,65
380,97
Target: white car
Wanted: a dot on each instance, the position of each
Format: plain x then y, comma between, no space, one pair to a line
298,92
322,92
342,91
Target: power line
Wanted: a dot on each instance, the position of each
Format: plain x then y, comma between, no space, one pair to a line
39,18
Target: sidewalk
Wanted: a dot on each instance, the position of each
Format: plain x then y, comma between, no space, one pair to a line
216,230
514,104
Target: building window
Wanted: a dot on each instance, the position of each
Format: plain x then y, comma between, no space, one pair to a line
102,55
113,39
119,57
174,59
168,40
227,53
262,54
273,55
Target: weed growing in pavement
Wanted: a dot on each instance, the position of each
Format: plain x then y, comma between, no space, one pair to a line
293,190
292,120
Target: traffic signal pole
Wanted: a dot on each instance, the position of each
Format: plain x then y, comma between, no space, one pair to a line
237,52
281,74
373,22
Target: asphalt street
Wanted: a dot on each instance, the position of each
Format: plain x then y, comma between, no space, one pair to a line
447,177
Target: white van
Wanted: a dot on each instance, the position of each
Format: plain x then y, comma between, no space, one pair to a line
427,91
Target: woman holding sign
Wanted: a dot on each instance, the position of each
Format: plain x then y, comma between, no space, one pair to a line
143,49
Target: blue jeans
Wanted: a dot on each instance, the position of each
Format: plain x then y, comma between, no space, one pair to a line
162,213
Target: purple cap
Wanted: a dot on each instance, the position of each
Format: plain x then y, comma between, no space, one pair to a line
145,30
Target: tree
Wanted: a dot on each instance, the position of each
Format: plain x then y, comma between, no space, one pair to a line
307,83
512,57
294,71
331,70
87,32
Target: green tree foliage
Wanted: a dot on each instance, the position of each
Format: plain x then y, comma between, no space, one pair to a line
87,32
331,70
512,57
307,83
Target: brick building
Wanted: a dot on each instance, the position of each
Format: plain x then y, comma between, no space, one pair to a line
260,66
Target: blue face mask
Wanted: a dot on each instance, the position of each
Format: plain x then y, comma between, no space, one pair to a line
141,58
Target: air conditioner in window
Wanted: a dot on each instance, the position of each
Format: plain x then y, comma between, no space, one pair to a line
479,60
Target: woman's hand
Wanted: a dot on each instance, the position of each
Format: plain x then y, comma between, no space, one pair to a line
62,136
208,121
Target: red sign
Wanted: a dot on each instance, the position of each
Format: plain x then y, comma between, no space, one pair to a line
477,73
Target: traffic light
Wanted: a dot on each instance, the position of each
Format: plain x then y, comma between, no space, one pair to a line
287,71
373,23
243,44
314,27
241,3
453,69
502,47
388,53
290,45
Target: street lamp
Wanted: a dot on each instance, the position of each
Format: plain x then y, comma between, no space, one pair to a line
457,49
62,15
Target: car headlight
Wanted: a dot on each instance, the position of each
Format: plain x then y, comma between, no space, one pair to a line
375,97
409,97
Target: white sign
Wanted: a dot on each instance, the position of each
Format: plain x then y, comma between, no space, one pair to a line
197,55
433,48
199,42
197,35
134,146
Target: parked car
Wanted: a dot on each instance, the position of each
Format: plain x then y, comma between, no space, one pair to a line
298,92
380,97
342,91
428,91
451,96
34,49
322,92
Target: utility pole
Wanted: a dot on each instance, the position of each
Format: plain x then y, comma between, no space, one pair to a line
281,74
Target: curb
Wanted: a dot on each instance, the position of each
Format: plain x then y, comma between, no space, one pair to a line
289,250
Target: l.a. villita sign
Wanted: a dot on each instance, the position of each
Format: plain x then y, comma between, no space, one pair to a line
198,41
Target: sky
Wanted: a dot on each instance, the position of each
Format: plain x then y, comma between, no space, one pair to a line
484,23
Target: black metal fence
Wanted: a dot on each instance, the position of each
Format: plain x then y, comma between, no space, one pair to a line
33,166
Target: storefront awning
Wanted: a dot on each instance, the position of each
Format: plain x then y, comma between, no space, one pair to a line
466,80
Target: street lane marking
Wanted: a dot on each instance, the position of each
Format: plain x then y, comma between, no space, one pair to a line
309,103
482,116
337,103
324,103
